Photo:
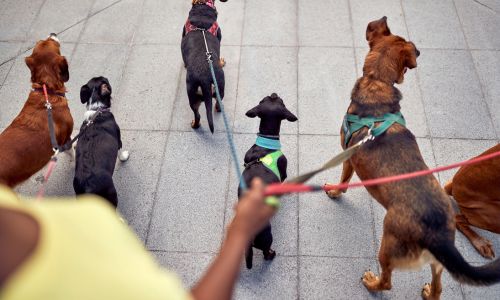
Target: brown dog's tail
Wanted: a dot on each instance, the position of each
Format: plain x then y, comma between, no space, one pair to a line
446,253
448,188
206,90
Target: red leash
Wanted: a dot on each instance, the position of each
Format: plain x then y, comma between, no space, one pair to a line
53,161
288,188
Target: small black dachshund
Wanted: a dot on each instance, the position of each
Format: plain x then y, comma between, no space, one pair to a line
265,160
202,17
98,144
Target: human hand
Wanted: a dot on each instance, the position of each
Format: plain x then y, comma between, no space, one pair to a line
252,212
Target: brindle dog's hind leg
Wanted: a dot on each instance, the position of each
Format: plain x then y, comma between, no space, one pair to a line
347,172
433,290
388,249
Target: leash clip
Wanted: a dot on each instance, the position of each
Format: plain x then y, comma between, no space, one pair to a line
369,136
48,105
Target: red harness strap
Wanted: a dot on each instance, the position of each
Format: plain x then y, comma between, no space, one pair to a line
190,27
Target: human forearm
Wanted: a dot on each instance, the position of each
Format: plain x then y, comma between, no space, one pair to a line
218,282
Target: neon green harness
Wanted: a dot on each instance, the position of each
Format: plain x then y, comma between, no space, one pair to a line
271,162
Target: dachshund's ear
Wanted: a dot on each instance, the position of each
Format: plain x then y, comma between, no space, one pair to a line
254,112
290,116
63,69
85,93
30,62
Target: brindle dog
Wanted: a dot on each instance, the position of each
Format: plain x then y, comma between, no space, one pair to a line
419,225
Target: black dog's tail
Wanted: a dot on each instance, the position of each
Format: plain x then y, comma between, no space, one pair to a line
206,90
249,256
445,252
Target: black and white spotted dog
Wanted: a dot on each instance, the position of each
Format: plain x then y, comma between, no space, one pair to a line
99,143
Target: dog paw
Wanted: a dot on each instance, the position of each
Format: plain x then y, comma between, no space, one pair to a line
123,155
426,291
370,280
484,247
269,255
334,194
222,62
195,125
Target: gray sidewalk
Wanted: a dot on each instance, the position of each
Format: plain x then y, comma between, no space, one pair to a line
178,188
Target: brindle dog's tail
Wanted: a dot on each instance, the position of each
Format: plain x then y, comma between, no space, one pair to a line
206,90
249,256
445,252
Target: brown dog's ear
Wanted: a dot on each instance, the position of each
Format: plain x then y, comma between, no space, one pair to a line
377,29
63,69
254,112
30,62
410,54
85,93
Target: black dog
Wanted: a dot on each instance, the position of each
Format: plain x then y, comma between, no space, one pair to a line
202,17
98,143
265,160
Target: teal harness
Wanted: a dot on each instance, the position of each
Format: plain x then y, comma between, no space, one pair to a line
270,160
353,123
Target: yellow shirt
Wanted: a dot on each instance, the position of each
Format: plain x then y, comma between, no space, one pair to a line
85,252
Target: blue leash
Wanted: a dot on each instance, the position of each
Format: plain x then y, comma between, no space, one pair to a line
229,133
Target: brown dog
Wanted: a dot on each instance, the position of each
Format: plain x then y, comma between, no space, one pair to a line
419,225
476,188
25,145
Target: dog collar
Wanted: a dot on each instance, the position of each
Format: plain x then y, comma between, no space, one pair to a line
213,29
268,143
353,123
40,90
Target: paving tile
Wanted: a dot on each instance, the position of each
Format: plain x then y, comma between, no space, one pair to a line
183,115
490,292
324,23
101,5
452,96
17,86
162,22
284,224
334,278
136,179
332,228
16,17
269,280
191,221
488,66
57,15
91,60
433,24
7,51
230,19
115,24
448,151
412,106
480,24
263,71
150,82
365,11
326,78
270,23
189,267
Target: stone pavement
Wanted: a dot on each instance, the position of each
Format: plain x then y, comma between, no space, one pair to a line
178,189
